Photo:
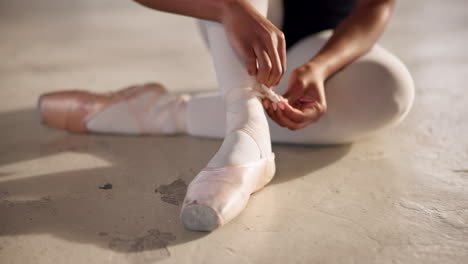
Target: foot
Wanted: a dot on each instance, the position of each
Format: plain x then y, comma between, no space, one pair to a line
243,165
218,195
143,109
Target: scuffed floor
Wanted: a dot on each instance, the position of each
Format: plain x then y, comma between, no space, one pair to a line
398,197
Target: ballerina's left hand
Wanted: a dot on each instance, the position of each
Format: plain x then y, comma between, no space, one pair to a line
305,102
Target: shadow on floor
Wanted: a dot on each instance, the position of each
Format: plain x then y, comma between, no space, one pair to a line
139,213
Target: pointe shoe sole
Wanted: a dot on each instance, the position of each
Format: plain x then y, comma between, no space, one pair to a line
218,195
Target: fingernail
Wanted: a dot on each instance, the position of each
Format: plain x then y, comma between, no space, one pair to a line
275,106
281,105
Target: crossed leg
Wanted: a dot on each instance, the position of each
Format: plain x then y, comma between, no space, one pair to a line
373,92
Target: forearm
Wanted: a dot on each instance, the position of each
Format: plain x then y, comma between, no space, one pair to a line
204,9
259,44
354,36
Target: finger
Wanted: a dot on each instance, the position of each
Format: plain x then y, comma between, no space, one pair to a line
270,112
286,121
313,111
248,55
281,105
268,108
295,125
272,115
251,67
294,114
265,103
282,53
264,65
276,68
250,61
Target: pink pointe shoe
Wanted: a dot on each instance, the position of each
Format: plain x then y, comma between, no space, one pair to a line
72,110
218,195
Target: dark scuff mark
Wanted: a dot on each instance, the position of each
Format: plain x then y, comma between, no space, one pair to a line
46,199
173,193
4,195
106,186
154,239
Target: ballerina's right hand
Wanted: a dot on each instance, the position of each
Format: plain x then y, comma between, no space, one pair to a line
255,38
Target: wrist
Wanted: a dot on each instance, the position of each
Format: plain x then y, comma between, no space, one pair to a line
318,70
226,9
229,7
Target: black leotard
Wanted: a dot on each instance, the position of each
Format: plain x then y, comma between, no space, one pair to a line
305,17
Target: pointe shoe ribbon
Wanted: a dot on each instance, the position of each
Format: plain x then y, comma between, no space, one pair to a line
270,94
218,195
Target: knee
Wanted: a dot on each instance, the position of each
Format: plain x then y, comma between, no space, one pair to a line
375,91
392,87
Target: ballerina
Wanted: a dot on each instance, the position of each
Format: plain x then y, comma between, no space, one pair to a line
341,86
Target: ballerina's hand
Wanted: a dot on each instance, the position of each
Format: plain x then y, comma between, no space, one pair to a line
255,39
304,102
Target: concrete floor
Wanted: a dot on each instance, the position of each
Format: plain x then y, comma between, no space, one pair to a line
398,197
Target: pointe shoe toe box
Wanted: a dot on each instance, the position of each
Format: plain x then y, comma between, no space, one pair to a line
216,196
64,110
212,203
199,217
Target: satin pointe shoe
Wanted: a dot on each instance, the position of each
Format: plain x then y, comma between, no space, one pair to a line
218,195
72,110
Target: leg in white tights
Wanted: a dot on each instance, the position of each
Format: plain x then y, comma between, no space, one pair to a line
373,92
247,136
244,163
